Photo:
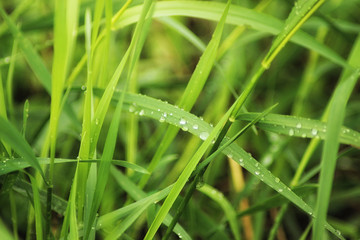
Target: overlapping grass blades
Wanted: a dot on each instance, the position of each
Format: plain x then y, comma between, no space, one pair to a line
237,16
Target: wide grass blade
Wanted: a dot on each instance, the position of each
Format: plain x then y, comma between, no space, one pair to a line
300,127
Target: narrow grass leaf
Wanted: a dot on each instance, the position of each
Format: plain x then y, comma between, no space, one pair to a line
11,136
3,113
229,211
301,127
16,164
330,149
136,193
301,11
37,208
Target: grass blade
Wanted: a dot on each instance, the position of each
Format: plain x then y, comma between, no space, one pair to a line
301,127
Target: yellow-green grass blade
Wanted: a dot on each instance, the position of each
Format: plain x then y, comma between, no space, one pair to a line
301,11
37,208
237,16
13,138
10,79
16,164
109,218
149,107
229,211
192,91
137,194
104,103
4,231
301,127
3,113
331,145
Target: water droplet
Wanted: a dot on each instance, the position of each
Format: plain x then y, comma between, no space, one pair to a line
185,128
277,180
131,109
182,121
211,125
83,87
162,119
338,232
314,132
141,113
257,173
303,135
291,132
7,60
257,165
97,121
204,135
298,125
201,118
164,114
280,190
195,127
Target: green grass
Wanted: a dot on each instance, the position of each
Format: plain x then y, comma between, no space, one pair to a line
173,89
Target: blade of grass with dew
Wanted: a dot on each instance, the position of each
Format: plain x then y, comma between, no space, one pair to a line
150,108
277,200
301,127
302,10
136,193
17,164
237,16
85,142
192,91
331,145
13,138
229,211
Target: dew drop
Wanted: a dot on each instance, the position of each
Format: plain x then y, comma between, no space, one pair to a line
195,127
257,173
182,121
131,109
164,114
280,190
291,132
303,135
185,128
162,119
83,87
141,113
298,125
204,135
97,121
314,132
257,165
277,180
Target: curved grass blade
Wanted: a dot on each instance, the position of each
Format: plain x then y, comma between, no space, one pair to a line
229,211
16,164
237,16
11,136
164,112
301,127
